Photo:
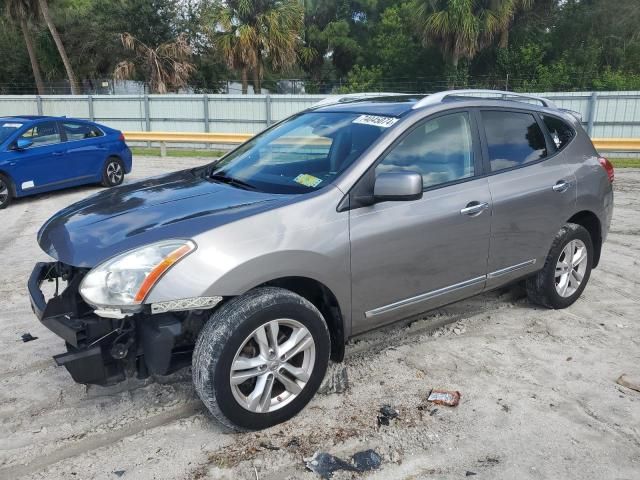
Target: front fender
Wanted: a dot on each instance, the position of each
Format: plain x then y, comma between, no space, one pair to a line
305,239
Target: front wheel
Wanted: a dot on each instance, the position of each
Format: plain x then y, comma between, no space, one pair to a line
113,173
260,358
566,270
6,192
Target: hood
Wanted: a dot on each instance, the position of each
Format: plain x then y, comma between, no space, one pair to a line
178,205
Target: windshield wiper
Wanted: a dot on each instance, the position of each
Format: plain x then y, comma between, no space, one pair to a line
222,177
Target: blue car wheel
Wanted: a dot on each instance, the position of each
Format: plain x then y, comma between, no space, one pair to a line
6,192
113,174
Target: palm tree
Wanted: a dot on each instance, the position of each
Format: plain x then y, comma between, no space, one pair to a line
21,12
253,33
166,67
458,26
505,11
46,15
463,27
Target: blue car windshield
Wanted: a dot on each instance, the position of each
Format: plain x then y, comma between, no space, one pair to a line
302,154
8,128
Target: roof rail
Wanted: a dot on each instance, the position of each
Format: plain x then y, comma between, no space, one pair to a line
349,97
437,98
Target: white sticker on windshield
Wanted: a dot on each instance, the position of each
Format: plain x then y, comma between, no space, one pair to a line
12,125
376,120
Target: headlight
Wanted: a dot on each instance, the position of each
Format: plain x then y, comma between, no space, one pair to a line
125,281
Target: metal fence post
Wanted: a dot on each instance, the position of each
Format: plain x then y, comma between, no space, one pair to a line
92,117
147,117
267,105
205,104
593,100
39,104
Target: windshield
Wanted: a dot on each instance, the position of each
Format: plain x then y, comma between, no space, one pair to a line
7,129
302,154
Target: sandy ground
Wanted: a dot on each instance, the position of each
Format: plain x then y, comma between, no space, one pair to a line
539,398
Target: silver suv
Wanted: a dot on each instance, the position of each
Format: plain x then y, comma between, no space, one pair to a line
257,268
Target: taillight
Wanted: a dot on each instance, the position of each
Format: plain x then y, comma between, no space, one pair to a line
121,138
608,167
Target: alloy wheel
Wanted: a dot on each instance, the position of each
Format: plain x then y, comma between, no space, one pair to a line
4,192
272,366
570,268
114,173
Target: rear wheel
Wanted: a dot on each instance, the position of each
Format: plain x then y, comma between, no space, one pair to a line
113,173
6,192
566,270
260,358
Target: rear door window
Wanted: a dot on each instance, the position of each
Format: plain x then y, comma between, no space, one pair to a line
80,131
560,132
513,139
45,133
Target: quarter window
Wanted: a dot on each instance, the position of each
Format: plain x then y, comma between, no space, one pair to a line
42,134
441,150
513,139
560,132
80,131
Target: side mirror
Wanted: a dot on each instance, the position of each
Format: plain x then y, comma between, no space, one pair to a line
398,186
22,144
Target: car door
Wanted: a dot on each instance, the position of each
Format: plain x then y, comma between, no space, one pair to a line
42,165
533,192
85,148
409,257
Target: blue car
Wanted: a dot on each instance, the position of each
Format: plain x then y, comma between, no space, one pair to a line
40,154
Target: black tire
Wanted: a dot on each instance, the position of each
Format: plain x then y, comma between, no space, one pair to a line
6,192
113,172
228,329
541,288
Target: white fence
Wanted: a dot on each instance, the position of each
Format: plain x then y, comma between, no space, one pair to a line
605,114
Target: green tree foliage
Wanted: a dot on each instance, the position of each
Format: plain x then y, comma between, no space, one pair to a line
253,34
23,13
15,69
45,13
167,66
347,45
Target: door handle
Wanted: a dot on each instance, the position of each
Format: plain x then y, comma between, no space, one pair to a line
57,154
561,186
474,208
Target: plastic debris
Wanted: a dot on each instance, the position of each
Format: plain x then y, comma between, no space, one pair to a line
444,397
367,460
27,337
626,381
470,474
325,464
119,473
387,413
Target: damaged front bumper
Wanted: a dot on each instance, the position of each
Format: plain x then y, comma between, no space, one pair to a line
103,351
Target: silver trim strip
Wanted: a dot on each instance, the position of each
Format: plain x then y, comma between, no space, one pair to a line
512,268
424,296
